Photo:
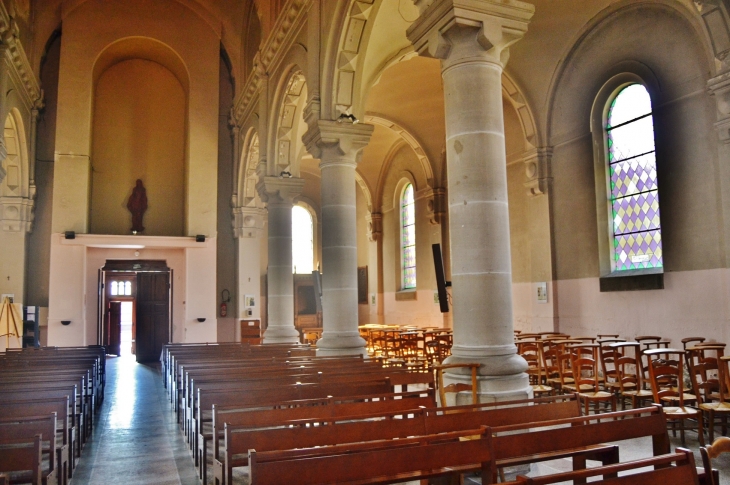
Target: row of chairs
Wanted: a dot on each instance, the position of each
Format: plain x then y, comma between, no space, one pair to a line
691,383
409,346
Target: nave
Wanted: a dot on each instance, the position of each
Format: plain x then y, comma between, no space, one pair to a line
136,440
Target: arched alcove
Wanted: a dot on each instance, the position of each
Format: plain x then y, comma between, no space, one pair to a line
139,132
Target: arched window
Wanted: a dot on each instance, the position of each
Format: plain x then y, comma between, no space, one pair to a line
408,238
633,190
302,240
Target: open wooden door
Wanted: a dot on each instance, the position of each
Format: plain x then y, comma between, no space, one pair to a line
153,317
114,328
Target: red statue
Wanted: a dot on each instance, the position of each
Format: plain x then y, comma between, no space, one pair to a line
137,205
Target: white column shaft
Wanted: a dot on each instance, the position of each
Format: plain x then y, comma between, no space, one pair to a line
339,258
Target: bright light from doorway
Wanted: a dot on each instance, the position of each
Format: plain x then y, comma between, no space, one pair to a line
302,243
126,337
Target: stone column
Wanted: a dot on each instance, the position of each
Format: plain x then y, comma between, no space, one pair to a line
337,145
248,224
472,37
279,194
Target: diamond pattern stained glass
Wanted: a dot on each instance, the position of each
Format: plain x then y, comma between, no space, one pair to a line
408,238
634,197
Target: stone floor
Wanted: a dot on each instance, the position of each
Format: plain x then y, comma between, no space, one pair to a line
136,440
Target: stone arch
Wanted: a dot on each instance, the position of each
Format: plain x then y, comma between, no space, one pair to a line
574,47
288,121
248,173
363,184
16,196
512,93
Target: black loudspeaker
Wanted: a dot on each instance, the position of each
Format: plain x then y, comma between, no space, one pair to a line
441,282
69,235
200,238
317,279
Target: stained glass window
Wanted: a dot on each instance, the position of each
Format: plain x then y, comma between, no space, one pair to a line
302,243
408,238
634,197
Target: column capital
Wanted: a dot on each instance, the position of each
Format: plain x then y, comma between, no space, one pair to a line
375,225
279,190
326,139
248,222
538,171
16,214
719,87
497,24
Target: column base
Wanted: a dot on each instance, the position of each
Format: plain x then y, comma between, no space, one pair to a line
341,343
281,335
501,378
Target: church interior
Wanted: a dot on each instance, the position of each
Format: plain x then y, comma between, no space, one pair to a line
462,189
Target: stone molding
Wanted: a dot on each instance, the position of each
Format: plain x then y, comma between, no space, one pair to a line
287,25
328,140
719,87
500,23
717,24
375,226
276,190
437,206
3,156
248,222
538,171
16,214
20,69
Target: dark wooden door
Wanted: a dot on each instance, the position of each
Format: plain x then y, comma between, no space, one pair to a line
153,322
114,328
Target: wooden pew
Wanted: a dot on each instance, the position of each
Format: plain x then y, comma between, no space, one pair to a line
239,439
17,429
282,392
22,457
669,469
377,462
306,412
52,392
46,406
579,438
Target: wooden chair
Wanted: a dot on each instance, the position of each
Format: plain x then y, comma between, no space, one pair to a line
667,383
585,375
457,387
608,356
630,375
602,336
710,452
692,341
531,351
706,374
564,361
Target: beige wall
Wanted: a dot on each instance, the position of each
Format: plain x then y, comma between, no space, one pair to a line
138,133
178,38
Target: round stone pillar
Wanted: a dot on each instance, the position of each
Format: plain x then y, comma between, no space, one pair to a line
471,37
279,194
337,145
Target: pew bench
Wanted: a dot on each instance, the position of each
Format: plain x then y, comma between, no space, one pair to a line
378,462
23,429
22,460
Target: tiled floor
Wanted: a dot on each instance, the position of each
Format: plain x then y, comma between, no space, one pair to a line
136,440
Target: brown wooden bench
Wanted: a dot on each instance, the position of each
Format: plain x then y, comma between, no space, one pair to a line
239,439
21,458
669,469
305,412
376,462
24,429
65,431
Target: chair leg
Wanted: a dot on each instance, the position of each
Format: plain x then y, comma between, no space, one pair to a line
711,426
700,431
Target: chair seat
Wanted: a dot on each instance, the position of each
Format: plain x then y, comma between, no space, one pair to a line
686,397
679,412
542,388
639,393
596,395
718,407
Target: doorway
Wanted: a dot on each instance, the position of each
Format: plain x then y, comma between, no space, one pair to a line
136,300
